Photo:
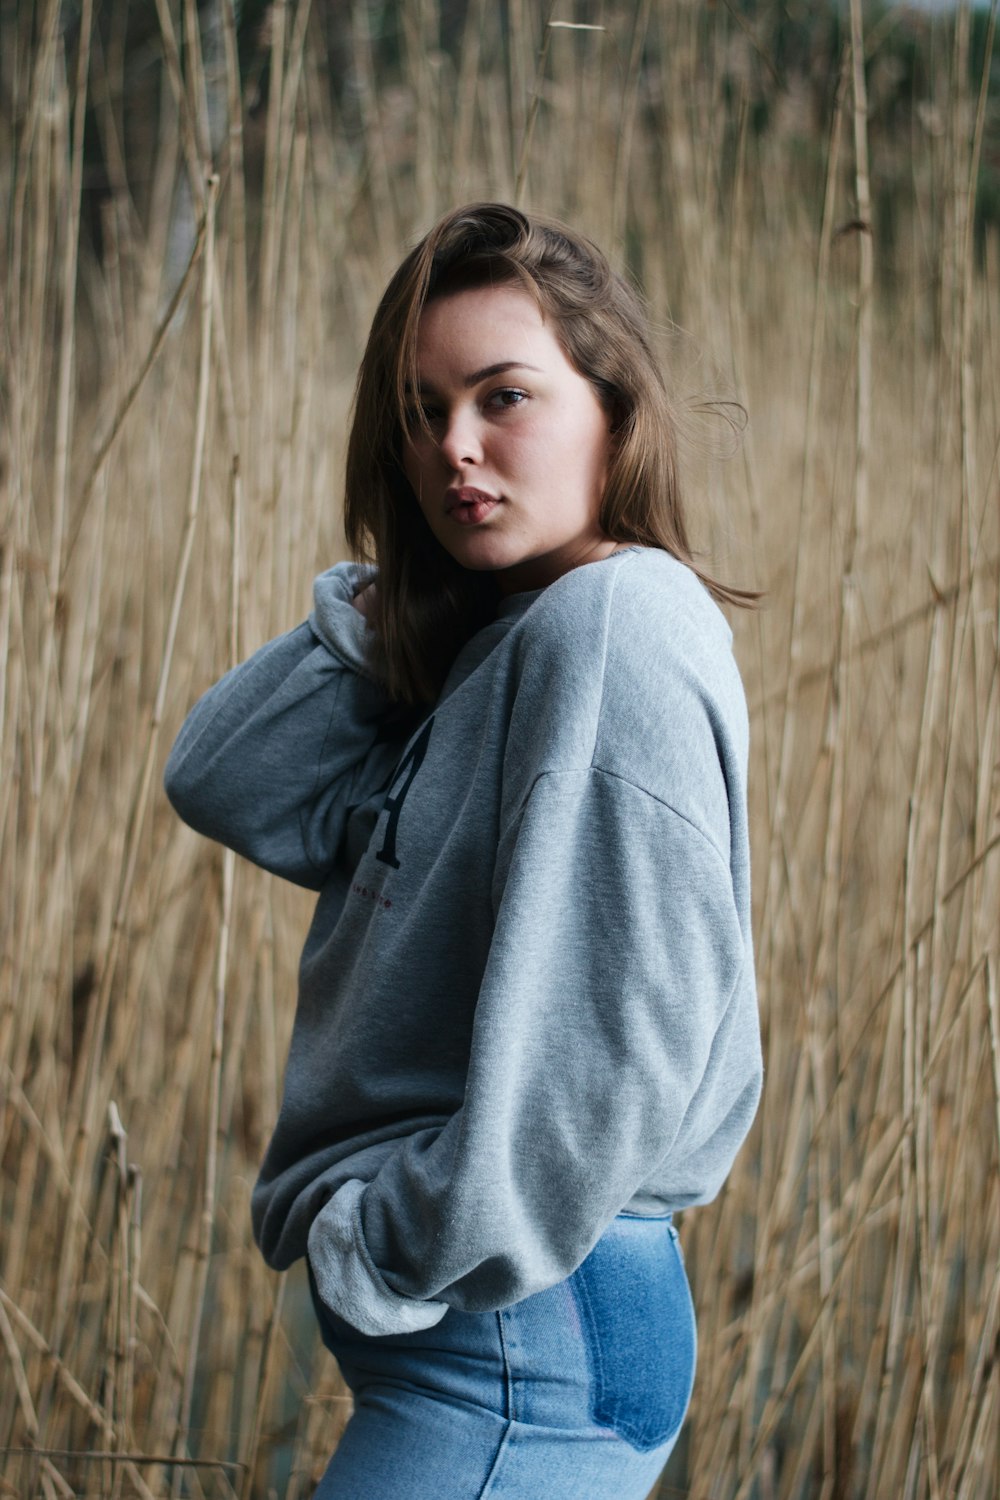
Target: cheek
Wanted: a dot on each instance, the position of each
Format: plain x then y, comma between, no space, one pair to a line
568,454
590,449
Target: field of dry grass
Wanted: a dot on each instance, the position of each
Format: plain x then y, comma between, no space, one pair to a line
170,461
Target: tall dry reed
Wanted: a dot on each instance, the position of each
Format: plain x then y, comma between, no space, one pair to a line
172,437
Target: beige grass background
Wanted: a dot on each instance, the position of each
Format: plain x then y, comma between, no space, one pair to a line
170,484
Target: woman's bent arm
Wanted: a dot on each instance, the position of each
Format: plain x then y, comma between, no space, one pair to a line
272,757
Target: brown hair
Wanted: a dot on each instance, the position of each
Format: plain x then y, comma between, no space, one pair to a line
427,605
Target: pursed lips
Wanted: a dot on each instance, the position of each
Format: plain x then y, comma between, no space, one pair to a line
468,505
466,495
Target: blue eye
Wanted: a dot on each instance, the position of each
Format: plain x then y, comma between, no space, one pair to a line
504,399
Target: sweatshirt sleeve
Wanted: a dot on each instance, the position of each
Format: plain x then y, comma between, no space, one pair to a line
270,758
616,1028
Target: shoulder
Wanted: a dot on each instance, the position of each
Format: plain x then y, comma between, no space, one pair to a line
636,580
653,587
638,618
673,715
626,666
667,639
557,651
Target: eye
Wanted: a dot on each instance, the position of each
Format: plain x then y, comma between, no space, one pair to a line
504,399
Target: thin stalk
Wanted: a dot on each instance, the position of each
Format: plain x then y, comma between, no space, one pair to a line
866,280
263,1388
64,401
778,819
271,238
107,442
188,126
237,224
466,93
521,174
627,120
209,1192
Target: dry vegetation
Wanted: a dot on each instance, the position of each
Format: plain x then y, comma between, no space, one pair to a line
170,473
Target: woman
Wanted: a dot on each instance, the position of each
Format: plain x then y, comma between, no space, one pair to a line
511,759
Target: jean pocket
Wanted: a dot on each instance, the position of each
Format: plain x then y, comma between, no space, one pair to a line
638,1322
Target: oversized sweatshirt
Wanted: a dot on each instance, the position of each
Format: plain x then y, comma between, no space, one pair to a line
526,1000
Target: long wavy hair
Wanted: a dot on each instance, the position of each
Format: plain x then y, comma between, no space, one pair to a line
426,605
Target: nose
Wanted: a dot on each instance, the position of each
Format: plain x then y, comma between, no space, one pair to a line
461,442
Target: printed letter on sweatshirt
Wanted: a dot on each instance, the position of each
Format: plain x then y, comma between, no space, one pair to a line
411,761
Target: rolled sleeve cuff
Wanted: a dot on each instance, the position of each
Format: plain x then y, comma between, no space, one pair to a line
334,620
347,1279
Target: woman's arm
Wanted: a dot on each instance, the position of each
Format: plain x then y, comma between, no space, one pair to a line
272,757
616,1048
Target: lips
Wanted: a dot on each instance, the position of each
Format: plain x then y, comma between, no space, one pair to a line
468,506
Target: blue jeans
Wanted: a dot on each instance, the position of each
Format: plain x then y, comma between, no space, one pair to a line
576,1393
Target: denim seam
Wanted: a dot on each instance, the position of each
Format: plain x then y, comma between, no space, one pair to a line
508,1371
487,1488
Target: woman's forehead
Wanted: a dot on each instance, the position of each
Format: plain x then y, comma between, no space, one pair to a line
476,329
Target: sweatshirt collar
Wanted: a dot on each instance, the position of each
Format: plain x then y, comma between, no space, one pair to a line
509,611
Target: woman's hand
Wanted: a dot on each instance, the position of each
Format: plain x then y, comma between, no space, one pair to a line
364,603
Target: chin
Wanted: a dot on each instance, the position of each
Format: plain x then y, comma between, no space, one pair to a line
478,555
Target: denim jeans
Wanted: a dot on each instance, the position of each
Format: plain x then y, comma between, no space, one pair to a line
576,1393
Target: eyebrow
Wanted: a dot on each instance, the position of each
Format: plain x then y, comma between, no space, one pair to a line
500,368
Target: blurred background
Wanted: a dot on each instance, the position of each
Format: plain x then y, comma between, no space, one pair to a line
200,205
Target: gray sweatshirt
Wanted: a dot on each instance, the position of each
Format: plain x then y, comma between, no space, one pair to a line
527,999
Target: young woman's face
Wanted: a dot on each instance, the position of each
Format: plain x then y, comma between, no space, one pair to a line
511,476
